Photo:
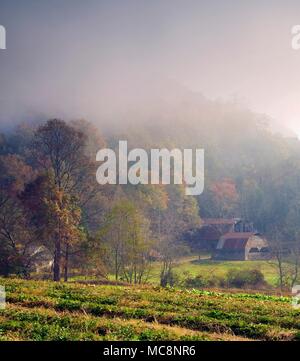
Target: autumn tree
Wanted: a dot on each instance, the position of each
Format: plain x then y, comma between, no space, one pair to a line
64,222
126,234
224,197
58,150
136,260
55,217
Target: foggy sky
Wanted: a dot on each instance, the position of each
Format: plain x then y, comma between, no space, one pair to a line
98,59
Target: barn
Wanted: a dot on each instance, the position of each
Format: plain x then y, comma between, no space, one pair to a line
207,237
212,229
242,246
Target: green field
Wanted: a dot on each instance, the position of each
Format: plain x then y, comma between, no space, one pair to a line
44,310
193,266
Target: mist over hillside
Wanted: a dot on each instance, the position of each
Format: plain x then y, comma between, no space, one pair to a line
163,108
126,63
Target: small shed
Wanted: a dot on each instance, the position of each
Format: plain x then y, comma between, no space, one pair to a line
242,246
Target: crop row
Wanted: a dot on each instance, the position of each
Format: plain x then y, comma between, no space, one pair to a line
266,318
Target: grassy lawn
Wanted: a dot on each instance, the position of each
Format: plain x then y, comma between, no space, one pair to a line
44,310
193,266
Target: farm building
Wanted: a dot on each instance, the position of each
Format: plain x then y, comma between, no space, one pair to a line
212,229
242,246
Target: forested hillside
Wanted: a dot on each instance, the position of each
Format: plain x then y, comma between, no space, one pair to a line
53,208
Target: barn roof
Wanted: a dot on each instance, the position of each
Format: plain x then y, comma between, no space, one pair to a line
219,221
238,235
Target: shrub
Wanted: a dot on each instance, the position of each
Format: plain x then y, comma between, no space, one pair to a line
196,282
202,282
242,278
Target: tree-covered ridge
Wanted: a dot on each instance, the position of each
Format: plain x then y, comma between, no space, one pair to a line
50,200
